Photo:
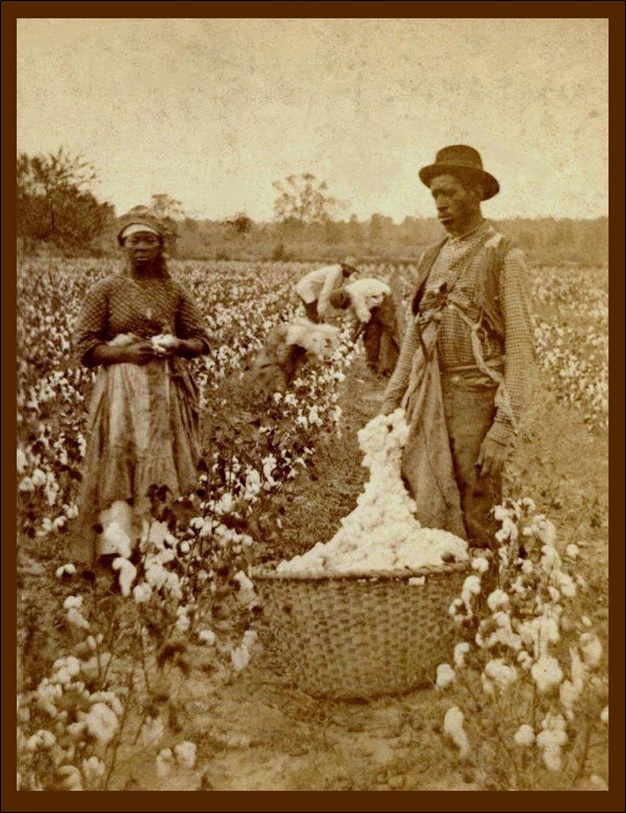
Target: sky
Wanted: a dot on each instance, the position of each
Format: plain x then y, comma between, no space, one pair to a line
212,111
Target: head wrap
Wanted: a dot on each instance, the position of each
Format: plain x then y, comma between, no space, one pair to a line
142,217
136,228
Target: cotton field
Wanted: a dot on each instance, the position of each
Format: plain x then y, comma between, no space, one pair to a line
103,677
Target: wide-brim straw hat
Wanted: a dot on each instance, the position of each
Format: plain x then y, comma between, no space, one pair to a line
463,159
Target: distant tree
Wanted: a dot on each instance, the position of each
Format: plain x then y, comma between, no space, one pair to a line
54,201
332,232
303,199
238,224
355,232
165,207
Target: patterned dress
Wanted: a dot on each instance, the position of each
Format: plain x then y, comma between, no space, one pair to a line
143,421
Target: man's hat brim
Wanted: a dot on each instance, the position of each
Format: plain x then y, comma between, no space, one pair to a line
490,185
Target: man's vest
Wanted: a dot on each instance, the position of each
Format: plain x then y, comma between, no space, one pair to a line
487,294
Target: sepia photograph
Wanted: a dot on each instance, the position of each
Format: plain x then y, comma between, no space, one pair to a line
312,403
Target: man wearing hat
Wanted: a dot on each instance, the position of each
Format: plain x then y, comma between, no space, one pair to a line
316,287
466,358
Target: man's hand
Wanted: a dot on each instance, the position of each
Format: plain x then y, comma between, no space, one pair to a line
491,457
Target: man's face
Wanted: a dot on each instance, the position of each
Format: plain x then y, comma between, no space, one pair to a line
457,207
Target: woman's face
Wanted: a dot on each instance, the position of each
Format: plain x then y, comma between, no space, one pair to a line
142,248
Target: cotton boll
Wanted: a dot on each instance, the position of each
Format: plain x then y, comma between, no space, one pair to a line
101,723
500,673
545,530
185,754
207,637
552,758
567,585
69,778
471,587
547,674
480,564
524,736
164,762
498,599
591,649
453,728
142,593
114,539
93,770
460,651
445,675
127,571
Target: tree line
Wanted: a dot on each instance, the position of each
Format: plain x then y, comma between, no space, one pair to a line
58,211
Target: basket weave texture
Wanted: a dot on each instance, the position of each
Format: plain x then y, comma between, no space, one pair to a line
355,637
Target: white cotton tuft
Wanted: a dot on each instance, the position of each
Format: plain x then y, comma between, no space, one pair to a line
381,534
453,728
445,675
460,651
547,674
591,649
524,736
128,572
498,600
186,754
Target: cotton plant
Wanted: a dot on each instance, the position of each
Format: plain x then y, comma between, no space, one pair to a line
76,715
72,724
528,676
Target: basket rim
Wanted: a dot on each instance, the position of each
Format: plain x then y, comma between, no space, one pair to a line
264,573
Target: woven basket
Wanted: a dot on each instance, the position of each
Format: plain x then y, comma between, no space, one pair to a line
346,636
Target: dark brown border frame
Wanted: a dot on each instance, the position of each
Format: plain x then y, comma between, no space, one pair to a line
613,11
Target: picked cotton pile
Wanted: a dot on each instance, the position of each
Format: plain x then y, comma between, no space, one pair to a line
381,534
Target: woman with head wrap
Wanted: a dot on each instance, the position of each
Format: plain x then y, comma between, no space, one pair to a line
138,327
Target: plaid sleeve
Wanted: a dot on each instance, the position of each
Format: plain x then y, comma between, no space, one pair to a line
400,378
518,342
91,326
190,323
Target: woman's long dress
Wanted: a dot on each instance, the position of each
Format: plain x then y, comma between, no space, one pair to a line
143,420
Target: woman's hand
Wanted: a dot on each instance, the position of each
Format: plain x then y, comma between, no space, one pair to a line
142,351
166,344
137,352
